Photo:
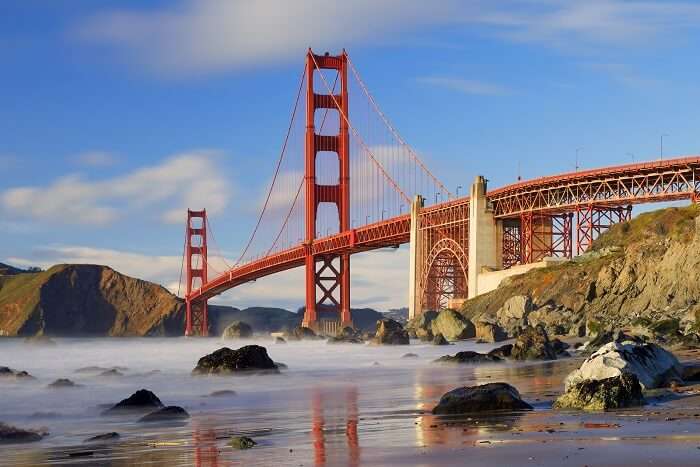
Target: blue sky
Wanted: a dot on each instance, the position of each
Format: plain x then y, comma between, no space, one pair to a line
116,116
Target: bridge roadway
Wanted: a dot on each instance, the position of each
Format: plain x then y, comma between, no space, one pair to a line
656,181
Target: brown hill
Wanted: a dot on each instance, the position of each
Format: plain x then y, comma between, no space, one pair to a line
86,300
644,273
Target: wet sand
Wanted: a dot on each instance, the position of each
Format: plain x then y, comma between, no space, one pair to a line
333,406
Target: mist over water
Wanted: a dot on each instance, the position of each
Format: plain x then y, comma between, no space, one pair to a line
335,405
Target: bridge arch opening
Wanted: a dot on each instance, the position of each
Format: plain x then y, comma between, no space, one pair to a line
445,275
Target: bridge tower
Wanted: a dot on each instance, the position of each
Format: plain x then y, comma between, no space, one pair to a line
324,273
196,319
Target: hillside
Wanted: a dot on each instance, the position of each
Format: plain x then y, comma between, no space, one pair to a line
7,270
643,273
86,300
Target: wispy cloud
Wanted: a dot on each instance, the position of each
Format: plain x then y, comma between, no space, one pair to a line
623,74
194,37
466,86
181,181
95,159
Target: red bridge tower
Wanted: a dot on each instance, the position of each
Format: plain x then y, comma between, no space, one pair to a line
331,275
196,255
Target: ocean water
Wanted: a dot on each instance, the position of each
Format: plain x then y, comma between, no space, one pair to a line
335,405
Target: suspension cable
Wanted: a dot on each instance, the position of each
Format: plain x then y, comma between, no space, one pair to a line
357,135
277,169
393,130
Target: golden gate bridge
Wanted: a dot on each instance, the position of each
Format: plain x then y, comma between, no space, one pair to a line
346,182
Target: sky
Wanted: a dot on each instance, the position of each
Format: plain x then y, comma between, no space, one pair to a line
116,116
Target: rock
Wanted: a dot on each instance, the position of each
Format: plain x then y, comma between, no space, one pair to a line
390,332
533,344
503,351
237,330
409,355
246,360
223,393
560,348
512,316
468,356
142,400
347,335
103,437
241,442
615,392
111,373
606,336
651,364
691,372
489,332
453,326
556,320
281,366
171,412
6,372
484,398
280,340
439,339
63,383
10,434
421,325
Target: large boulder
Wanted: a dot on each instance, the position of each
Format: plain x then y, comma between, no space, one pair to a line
485,398
615,392
10,435
390,332
453,326
6,372
237,330
246,360
140,401
512,316
468,356
421,325
652,365
489,332
533,344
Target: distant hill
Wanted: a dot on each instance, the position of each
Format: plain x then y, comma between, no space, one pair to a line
7,270
86,300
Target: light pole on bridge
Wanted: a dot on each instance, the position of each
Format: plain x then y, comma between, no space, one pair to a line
459,187
577,151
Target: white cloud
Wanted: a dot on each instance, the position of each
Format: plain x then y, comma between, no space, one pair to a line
466,86
95,159
210,35
194,37
181,181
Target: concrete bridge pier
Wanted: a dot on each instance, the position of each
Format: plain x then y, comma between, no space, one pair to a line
485,236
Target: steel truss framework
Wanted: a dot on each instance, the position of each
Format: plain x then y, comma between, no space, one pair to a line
544,235
591,221
613,187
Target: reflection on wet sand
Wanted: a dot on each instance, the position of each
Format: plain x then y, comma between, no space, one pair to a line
334,416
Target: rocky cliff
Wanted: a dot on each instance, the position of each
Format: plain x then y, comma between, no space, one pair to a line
640,274
86,300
